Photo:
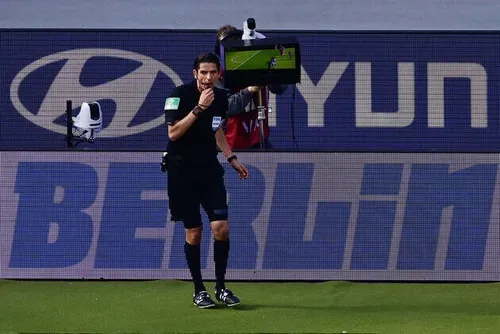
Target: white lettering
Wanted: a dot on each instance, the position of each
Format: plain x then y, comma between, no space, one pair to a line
437,72
316,95
365,117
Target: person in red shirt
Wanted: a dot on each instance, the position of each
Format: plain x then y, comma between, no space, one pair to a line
242,129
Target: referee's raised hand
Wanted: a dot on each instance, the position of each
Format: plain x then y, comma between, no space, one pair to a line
206,98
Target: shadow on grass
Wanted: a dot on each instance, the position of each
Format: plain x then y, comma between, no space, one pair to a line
476,309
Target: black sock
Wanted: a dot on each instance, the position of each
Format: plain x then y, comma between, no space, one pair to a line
221,254
194,263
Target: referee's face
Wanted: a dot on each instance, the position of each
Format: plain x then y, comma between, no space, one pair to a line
206,76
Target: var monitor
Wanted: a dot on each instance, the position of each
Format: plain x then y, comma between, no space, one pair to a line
260,62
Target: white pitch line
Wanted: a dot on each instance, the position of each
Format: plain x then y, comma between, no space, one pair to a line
246,60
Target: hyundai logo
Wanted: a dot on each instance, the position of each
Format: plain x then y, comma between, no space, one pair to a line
128,92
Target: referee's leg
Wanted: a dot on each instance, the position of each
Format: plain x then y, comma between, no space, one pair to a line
185,207
192,252
214,202
220,231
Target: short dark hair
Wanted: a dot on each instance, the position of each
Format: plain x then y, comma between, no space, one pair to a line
206,58
225,31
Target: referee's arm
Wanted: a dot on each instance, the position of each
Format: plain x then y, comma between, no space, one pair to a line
221,140
224,147
177,129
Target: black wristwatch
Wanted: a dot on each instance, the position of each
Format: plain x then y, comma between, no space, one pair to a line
197,111
231,158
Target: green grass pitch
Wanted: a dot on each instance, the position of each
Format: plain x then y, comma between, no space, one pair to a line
330,307
259,59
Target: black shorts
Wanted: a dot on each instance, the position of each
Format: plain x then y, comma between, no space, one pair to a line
191,185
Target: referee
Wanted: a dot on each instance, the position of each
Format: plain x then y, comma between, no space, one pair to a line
194,113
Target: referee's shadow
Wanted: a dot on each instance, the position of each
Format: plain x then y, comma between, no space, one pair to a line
241,307
252,307
245,307
477,309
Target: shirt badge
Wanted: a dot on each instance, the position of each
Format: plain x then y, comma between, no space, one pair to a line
216,122
172,103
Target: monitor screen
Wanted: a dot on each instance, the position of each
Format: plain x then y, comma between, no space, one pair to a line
261,62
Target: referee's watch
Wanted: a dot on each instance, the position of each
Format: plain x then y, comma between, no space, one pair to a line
231,158
197,111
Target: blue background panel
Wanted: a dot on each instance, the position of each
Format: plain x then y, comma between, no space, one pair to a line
132,71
